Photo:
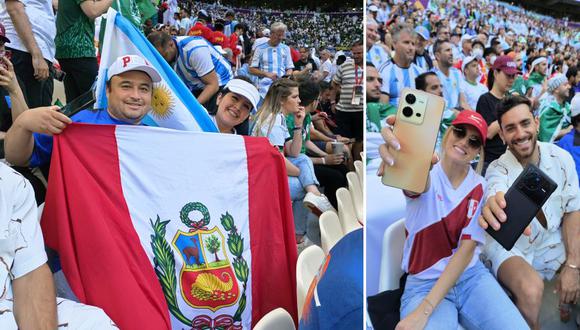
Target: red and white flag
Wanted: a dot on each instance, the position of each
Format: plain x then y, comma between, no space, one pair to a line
171,229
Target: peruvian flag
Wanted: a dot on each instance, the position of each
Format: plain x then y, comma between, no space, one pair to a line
168,229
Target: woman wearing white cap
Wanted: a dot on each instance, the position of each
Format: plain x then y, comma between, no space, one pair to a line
234,104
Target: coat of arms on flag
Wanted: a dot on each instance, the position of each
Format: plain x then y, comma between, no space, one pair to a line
207,278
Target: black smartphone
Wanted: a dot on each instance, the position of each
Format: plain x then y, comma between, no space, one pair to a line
84,101
524,199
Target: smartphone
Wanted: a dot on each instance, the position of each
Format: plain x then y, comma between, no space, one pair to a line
84,101
524,199
416,127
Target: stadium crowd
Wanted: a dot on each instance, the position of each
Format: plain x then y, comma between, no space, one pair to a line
509,78
307,100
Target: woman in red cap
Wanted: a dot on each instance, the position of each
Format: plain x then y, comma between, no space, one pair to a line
447,283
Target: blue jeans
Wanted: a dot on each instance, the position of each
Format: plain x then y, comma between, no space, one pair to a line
297,191
297,184
477,301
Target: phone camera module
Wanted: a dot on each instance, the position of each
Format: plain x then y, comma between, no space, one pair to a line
407,112
410,98
533,181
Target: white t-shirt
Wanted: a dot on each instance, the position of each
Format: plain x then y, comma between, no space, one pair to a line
276,131
437,220
42,22
472,92
327,67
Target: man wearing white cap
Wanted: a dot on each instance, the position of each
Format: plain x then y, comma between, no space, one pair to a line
571,141
422,58
555,111
470,86
129,90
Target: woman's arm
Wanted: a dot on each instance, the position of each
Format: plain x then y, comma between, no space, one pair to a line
457,264
294,146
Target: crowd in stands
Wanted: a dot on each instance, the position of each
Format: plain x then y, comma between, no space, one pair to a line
236,62
509,78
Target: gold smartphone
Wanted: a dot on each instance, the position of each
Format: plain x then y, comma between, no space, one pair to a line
416,127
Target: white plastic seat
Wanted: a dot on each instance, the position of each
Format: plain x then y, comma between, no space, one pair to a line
360,170
346,212
356,194
278,319
393,242
330,230
307,267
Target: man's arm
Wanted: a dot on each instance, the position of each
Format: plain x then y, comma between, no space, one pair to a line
94,9
211,87
19,141
259,73
568,284
35,300
22,25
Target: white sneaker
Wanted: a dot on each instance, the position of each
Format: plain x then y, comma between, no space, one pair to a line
317,204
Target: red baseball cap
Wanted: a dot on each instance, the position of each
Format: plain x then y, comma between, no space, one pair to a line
472,118
505,64
3,33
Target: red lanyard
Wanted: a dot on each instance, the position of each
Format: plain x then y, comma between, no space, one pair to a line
357,81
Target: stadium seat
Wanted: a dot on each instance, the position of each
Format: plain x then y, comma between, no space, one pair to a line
356,193
393,241
307,267
278,319
330,230
346,212
360,170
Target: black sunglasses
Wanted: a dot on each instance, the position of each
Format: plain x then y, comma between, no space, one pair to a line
460,132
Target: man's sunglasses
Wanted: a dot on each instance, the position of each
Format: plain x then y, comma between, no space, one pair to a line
460,132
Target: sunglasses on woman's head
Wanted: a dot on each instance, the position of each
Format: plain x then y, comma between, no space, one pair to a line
460,132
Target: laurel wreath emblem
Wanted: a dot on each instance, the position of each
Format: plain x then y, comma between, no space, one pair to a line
164,259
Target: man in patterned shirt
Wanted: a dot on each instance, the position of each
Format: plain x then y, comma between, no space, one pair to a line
272,60
28,300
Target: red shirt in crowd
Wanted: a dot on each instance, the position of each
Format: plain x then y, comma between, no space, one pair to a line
200,30
295,54
218,38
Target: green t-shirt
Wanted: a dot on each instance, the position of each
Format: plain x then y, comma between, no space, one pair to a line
305,129
74,31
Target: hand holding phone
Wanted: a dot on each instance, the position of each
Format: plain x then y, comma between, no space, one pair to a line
411,142
522,202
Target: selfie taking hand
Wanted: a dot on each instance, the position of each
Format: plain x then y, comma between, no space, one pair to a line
391,142
493,215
